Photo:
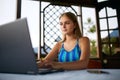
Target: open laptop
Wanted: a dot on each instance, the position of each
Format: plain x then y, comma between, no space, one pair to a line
16,52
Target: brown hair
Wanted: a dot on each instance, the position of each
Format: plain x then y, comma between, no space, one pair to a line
72,17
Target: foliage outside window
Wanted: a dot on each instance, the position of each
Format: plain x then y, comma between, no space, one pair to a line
89,29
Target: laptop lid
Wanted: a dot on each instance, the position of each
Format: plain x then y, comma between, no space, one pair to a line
16,52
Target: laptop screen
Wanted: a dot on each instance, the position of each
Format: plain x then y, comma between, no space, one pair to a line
16,52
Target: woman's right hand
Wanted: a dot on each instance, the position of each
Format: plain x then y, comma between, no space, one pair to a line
42,64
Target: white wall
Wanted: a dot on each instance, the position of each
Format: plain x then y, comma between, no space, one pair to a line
7,11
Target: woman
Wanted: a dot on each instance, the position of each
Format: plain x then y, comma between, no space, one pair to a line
73,51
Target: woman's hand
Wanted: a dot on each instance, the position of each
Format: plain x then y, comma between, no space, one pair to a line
43,64
40,63
54,65
48,64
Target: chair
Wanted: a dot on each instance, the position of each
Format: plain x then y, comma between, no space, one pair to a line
94,64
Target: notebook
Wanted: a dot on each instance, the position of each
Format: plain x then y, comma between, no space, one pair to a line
16,52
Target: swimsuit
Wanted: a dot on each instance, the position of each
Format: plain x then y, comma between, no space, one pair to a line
69,56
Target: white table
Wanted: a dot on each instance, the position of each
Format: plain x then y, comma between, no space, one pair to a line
114,74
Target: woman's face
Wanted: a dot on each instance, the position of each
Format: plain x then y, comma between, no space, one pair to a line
67,26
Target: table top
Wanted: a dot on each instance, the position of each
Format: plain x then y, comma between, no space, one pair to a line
106,74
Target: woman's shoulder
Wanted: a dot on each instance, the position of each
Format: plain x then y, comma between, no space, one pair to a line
59,44
83,39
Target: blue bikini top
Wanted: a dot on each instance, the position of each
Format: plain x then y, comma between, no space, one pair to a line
69,56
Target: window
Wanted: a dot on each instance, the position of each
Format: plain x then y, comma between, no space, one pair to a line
109,30
89,29
30,10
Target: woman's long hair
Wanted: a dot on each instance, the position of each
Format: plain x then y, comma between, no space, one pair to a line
72,17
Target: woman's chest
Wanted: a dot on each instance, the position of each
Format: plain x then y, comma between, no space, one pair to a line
69,46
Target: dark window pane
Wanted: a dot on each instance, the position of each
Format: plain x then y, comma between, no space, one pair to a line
106,49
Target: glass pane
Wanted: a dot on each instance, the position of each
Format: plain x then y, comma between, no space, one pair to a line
103,24
30,10
113,45
102,13
93,49
106,49
89,29
114,33
104,36
89,22
115,48
113,24
111,12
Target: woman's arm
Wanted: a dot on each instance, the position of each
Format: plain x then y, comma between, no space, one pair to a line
54,52
50,57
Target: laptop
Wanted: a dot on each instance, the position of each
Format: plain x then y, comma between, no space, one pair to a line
16,52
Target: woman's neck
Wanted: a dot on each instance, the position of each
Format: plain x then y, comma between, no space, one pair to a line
70,38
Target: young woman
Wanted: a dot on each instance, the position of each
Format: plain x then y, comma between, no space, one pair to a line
73,51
